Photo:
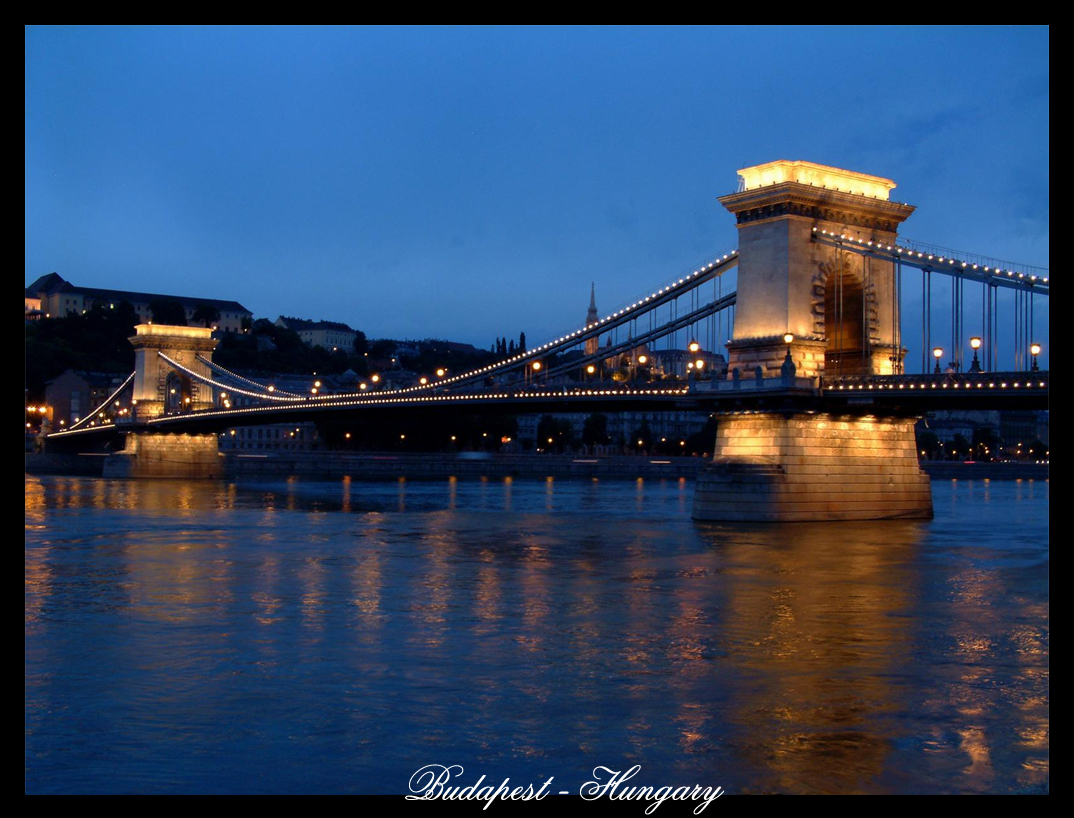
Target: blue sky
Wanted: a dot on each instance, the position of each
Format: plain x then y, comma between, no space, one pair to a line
469,183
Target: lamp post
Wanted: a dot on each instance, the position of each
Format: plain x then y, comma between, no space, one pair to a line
937,353
787,370
1034,350
975,342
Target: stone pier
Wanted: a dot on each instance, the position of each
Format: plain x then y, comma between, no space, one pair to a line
167,455
813,467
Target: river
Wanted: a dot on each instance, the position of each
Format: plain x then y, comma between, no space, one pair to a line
298,636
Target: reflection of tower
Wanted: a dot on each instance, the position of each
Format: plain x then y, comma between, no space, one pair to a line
592,344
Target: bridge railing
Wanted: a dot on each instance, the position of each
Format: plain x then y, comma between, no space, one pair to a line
967,381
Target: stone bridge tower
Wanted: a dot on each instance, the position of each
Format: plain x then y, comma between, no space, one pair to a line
801,465
159,388
839,306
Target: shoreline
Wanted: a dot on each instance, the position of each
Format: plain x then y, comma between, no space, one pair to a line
438,465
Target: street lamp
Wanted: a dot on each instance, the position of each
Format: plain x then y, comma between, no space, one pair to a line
694,346
1034,350
975,342
441,372
937,353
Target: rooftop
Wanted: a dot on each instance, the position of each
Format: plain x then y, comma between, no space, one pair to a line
54,283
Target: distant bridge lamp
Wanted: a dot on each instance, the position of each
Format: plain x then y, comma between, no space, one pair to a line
975,342
1034,350
937,353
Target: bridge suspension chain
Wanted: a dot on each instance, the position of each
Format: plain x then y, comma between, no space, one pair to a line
241,379
669,293
107,402
226,387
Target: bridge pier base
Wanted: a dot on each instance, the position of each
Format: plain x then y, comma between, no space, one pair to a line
184,456
813,467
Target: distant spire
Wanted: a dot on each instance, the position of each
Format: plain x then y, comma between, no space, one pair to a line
592,297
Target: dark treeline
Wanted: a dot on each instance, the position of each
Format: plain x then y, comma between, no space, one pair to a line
267,348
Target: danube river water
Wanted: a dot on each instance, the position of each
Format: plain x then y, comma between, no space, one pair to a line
309,636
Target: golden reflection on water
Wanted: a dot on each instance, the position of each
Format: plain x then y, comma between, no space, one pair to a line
818,619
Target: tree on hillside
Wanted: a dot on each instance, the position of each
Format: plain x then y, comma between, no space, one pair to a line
168,311
206,315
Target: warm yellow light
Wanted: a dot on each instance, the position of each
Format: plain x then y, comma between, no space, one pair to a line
694,346
363,386
591,369
820,176
787,338
347,436
975,342
441,372
375,379
423,380
536,366
271,388
1034,349
643,359
317,384
699,364
165,329
937,352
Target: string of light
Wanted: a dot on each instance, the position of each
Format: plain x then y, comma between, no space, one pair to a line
899,253
107,402
225,387
681,284
242,379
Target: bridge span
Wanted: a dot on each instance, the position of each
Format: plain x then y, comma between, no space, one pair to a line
818,408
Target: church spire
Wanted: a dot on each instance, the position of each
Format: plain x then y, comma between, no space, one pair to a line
592,344
591,316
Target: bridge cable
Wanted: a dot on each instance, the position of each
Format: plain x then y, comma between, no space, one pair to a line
107,401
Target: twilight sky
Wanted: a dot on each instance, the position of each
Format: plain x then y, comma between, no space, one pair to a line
470,183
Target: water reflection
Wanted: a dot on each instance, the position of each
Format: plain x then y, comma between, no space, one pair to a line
526,628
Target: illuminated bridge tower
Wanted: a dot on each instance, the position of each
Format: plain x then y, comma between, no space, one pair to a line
840,307
841,310
161,388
